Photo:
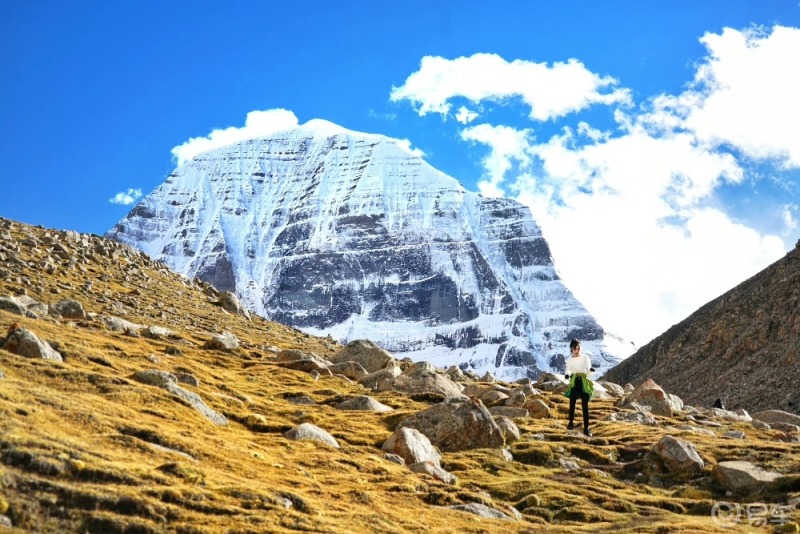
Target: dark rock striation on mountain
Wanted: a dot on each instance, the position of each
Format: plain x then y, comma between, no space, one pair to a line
743,347
352,235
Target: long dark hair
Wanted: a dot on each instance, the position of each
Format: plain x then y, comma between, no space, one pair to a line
572,344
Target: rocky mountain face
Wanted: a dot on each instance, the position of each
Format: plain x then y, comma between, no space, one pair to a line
743,347
350,235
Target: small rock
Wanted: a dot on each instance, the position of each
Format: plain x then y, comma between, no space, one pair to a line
480,510
303,400
5,521
744,476
364,402
307,431
25,343
224,342
429,468
734,434
507,427
68,309
537,409
679,455
413,446
187,378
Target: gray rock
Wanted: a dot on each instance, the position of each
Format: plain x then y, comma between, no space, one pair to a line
230,302
455,373
761,425
156,332
365,403
224,342
394,458
481,510
368,354
628,416
615,390
68,309
729,415
679,455
413,446
12,305
168,382
493,397
378,380
300,400
537,409
352,370
25,343
650,394
777,416
743,476
187,378
696,430
508,411
429,468
457,426
508,428
422,378
116,324
307,431
5,521
734,434
785,427
569,465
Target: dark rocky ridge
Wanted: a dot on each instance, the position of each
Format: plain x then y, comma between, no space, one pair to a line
743,347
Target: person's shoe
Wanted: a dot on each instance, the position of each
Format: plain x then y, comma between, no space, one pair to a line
570,426
587,432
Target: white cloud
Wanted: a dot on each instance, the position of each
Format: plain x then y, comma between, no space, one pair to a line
465,116
549,91
632,215
744,94
507,145
257,124
126,198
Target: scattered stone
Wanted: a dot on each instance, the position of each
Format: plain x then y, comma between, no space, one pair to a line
187,378
224,342
365,403
423,378
696,430
508,428
25,343
457,425
679,455
650,394
615,390
761,425
455,373
352,370
230,302
168,382
156,332
5,521
628,416
777,416
734,434
394,458
307,431
569,465
117,324
68,309
378,380
508,411
255,420
12,305
493,397
480,510
429,468
364,352
537,409
173,351
304,400
740,476
413,446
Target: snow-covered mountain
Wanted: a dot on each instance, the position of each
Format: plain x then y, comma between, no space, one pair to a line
350,234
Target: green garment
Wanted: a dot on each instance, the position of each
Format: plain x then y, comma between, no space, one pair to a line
588,386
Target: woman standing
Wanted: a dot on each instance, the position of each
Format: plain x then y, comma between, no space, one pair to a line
580,387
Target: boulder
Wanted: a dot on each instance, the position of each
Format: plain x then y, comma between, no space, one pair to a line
493,397
537,409
650,394
68,309
429,468
226,342
368,354
615,390
422,378
508,411
12,305
364,403
741,476
352,370
307,431
777,416
230,302
412,446
457,425
378,380
481,510
117,324
168,382
25,343
633,416
679,455
508,428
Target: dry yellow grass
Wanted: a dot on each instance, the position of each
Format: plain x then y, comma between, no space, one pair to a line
83,448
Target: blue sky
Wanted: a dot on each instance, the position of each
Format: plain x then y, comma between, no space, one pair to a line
659,195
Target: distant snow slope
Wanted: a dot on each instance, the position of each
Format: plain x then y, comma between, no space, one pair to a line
350,234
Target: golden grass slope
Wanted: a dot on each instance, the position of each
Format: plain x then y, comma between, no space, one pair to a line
83,448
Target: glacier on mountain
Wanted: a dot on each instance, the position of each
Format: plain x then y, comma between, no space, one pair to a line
355,236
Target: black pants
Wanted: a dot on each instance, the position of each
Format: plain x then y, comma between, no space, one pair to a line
578,393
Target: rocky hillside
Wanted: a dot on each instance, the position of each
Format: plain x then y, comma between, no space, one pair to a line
133,400
742,348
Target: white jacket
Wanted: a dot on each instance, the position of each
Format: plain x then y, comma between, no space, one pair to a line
578,364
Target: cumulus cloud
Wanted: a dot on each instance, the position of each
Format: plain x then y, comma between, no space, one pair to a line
126,198
507,144
549,90
632,214
465,115
257,124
